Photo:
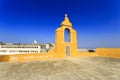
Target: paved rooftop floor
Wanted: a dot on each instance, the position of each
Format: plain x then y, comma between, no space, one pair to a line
85,68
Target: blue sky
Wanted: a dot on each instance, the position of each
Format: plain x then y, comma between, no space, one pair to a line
97,22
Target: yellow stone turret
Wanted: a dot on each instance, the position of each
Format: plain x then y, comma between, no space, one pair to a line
66,48
66,22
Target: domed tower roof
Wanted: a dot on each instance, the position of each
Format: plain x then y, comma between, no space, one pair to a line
66,22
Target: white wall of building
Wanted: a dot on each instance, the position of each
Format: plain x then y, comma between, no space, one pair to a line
21,49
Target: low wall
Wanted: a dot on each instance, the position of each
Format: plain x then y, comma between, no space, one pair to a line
108,52
24,57
85,54
4,58
28,57
102,52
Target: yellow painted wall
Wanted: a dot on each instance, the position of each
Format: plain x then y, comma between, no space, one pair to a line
100,52
4,58
29,57
108,52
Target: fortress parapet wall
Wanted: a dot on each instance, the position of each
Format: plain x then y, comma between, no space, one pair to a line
108,52
100,52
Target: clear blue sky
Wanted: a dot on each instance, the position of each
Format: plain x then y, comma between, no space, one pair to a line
97,22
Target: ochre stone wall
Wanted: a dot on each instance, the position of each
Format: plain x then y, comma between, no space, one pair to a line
4,58
108,52
100,52
85,54
28,57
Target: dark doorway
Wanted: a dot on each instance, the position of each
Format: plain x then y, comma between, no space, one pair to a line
67,50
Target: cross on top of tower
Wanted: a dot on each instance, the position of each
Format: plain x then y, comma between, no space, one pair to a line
66,22
66,15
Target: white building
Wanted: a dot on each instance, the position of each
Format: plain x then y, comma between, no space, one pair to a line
6,49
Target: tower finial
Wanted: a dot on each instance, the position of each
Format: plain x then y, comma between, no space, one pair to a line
66,21
66,15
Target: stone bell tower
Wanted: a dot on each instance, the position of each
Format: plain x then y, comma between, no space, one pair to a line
62,47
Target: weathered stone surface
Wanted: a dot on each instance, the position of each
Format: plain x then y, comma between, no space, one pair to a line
89,68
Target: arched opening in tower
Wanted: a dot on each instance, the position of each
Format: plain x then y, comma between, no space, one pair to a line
67,35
